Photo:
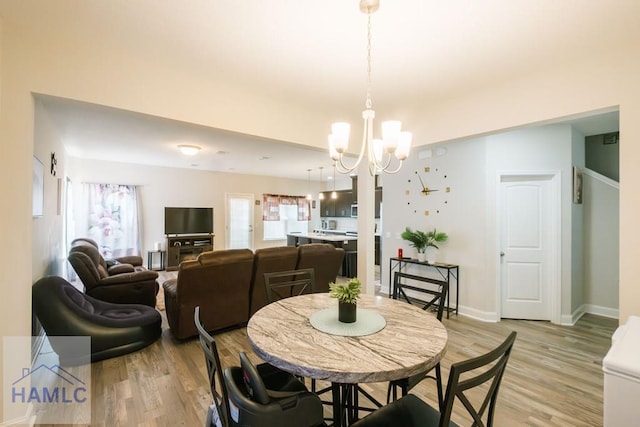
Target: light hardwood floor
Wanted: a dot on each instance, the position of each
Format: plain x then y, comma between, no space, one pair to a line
554,376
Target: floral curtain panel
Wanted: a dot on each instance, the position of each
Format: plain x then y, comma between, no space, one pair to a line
271,207
112,218
304,209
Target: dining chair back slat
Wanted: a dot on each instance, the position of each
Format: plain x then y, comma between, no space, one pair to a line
285,284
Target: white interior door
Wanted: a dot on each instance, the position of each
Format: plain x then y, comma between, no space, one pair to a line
239,221
526,267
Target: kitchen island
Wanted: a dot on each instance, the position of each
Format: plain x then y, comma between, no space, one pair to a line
338,240
348,243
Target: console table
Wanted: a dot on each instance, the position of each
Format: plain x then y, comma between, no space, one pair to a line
448,273
150,255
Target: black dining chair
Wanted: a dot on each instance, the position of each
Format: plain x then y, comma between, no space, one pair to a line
219,410
274,379
435,300
285,284
482,374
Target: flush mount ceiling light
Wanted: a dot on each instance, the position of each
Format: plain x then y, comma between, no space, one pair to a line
394,142
189,150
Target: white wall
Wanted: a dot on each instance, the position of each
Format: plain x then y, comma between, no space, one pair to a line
601,243
47,250
461,213
161,186
578,150
468,213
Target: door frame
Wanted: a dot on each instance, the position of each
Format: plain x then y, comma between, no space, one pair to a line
555,244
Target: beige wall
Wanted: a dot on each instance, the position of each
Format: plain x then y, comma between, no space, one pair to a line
94,73
163,186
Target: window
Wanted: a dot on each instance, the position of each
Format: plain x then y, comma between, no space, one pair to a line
284,214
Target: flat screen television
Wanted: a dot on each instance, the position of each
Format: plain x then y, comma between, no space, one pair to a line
188,220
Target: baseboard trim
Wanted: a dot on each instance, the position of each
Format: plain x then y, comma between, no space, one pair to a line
27,420
483,316
598,310
36,346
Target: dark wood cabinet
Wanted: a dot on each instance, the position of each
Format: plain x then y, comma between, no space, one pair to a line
327,205
343,204
378,194
338,207
183,248
378,201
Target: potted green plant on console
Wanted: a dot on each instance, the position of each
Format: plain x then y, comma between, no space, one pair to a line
347,296
421,240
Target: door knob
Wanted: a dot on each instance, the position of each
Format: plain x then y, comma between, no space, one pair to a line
501,253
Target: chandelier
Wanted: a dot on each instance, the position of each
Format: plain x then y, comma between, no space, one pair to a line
380,152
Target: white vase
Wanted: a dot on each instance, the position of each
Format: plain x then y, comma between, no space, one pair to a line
431,255
422,257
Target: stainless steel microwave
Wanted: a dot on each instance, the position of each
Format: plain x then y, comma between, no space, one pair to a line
354,211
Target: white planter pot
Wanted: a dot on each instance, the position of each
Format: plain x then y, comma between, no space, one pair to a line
422,257
431,255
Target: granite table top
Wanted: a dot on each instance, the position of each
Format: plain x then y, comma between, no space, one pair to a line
412,341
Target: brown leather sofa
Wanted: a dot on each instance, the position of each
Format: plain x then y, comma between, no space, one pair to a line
269,260
118,282
324,258
219,282
228,285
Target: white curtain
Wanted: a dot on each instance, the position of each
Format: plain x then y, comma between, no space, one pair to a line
112,218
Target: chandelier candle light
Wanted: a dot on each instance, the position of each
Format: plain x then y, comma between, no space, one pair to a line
394,142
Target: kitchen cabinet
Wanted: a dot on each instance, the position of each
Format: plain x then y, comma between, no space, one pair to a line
378,194
327,205
343,204
378,201
338,207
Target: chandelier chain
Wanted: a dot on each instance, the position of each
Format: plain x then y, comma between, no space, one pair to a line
368,103
379,152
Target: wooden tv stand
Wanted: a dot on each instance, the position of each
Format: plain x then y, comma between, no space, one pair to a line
186,247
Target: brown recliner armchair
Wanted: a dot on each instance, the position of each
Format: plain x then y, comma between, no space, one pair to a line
120,283
325,259
134,260
218,282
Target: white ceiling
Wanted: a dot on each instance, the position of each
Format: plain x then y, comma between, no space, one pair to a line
314,53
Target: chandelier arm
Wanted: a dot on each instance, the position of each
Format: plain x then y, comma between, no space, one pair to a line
395,170
342,168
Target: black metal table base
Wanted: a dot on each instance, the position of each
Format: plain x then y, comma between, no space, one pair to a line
346,403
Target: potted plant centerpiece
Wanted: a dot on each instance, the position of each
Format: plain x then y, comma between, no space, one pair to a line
421,240
347,296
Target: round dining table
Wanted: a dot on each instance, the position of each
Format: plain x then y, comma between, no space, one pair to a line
286,334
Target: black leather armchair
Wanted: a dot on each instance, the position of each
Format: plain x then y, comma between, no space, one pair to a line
115,329
119,283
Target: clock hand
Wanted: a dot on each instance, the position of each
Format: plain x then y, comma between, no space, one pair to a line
425,189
